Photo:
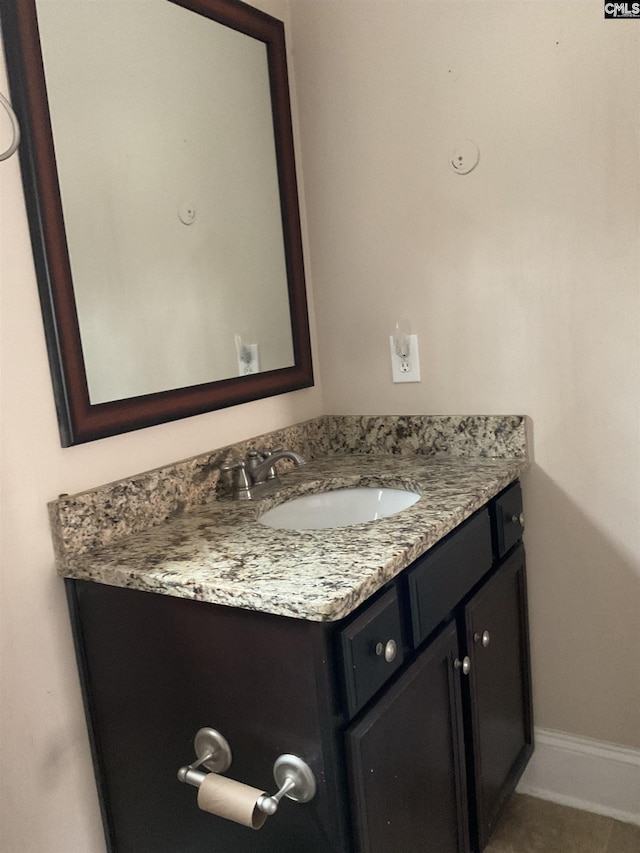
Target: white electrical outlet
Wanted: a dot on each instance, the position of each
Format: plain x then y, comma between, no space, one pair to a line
248,359
405,368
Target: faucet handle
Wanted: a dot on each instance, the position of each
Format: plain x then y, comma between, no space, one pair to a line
262,453
239,478
233,466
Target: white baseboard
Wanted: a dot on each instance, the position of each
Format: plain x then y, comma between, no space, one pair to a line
586,774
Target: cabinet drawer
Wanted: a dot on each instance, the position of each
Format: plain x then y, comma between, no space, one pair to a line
371,650
439,580
508,519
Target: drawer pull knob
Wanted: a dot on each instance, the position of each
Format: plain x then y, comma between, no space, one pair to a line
464,664
485,637
389,650
518,519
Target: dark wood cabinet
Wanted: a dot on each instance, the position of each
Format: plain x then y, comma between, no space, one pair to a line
409,752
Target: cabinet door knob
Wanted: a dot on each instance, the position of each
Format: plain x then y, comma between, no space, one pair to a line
485,637
518,519
464,665
389,650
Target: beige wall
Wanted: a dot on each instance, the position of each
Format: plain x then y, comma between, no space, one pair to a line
47,792
522,280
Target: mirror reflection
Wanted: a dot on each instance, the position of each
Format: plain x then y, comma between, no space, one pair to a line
164,142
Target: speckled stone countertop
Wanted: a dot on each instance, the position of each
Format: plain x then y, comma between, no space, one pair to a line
220,553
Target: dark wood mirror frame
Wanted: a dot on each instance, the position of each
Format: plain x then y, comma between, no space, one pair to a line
79,420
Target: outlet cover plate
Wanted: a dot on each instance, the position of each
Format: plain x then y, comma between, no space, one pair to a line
405,369
248,360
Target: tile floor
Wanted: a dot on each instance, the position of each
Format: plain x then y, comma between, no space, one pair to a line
536,826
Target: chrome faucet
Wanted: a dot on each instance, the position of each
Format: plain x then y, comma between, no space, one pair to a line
251,476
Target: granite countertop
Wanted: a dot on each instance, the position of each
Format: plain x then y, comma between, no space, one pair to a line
220,553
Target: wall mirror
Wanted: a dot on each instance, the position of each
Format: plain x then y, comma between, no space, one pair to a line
158,166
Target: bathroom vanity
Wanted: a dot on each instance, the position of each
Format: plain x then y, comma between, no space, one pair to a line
392,656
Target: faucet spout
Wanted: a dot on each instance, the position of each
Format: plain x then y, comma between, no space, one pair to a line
260,471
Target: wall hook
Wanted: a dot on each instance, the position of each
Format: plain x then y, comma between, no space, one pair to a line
16,128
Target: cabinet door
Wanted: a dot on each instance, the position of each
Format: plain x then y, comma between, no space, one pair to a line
500,686
406,760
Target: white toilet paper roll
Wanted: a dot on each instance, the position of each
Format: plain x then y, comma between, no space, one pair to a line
232,800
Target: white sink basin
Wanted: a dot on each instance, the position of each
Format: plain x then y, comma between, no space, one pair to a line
338,508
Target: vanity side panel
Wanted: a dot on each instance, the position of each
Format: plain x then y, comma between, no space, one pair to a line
71,588
158,668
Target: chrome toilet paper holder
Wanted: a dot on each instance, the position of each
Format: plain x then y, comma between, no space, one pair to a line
292,775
